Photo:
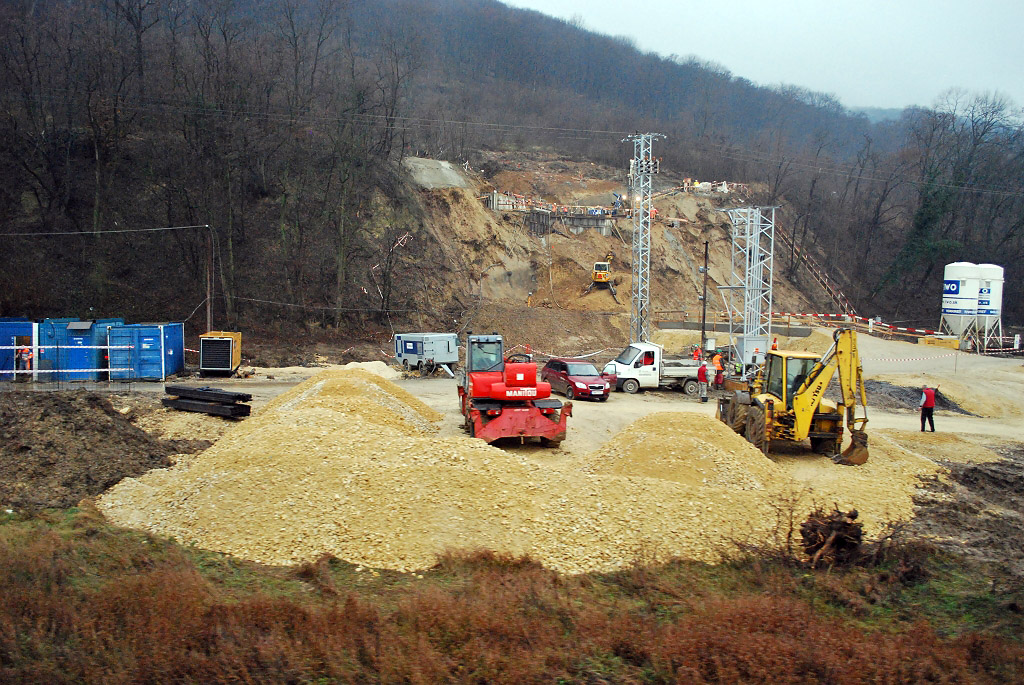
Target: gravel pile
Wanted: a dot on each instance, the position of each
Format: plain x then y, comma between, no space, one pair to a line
349,464
688,449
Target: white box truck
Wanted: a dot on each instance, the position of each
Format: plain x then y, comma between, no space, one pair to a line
427,351
645,366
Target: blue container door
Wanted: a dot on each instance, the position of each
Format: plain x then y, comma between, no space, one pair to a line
174,348
121,341
10,331
149,354
77,359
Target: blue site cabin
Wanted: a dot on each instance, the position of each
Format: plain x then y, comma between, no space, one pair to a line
147,351
99,339
77,357
14,332
53,337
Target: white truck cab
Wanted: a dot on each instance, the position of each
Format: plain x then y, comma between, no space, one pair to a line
644,365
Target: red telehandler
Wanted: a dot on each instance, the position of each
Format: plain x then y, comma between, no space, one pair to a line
501,398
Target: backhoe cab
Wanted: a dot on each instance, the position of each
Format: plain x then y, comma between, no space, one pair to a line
500,397
787,402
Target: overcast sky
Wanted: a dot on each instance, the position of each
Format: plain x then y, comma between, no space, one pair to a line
869,53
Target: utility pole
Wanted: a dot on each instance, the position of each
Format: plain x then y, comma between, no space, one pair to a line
704,304
641,168
209,279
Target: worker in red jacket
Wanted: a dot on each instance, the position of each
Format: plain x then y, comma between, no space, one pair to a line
702,381
927,407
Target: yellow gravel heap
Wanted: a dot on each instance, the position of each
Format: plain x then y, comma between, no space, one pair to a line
349,464
688,449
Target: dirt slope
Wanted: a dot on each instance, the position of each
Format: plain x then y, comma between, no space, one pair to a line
472,258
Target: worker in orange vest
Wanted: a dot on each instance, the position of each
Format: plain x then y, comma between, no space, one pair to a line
23,357
719,369
696,353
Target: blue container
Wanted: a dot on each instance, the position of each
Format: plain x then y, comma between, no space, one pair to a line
77,356
10,330
99,339
52,334
146,351
174,348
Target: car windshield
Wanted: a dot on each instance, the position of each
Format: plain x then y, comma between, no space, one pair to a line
628,355
582,370
486,356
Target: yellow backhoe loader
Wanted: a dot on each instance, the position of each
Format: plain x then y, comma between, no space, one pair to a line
786,401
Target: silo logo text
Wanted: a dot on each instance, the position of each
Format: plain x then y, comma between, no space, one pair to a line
951,288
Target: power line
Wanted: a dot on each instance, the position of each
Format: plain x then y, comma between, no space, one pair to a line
329,309
113,230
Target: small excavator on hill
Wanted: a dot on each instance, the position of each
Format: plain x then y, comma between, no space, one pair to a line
500,396
601,277
786,401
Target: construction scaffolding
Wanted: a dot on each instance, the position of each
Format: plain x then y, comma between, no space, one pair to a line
641,168
749,296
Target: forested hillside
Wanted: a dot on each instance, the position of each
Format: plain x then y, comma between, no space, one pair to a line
280,124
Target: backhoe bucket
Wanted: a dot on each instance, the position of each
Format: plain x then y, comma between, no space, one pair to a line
857,453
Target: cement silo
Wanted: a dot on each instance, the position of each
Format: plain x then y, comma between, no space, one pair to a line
990,305
960,287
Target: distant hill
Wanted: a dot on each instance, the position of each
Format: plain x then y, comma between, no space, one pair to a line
878,114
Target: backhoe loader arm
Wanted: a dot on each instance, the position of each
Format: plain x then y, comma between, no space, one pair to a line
841,357
844,358
808,396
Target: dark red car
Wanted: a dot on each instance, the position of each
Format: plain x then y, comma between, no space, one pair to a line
574,378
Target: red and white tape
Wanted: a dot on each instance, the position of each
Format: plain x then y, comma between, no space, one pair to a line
865,320
907,359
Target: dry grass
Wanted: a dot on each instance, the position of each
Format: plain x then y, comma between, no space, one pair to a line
83,602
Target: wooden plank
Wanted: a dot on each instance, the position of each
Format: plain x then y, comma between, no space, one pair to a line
207,394
215,408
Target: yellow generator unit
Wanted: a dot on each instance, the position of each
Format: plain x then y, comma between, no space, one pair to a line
220,353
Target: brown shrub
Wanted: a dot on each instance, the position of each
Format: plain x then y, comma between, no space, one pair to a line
152,617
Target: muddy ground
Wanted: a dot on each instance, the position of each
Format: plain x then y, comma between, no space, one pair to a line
58,447
888,396
980,512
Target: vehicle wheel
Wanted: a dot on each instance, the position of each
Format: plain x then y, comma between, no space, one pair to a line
756,429
405,363
603,398
472,428
569,393
690,388
419,366
631,385
737,415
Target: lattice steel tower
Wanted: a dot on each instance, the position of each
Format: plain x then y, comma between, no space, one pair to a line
753,249
641,168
